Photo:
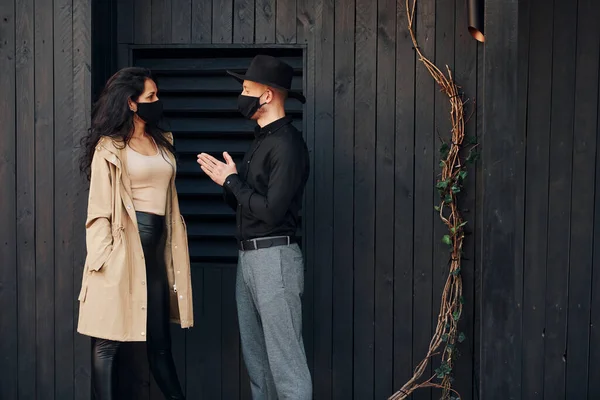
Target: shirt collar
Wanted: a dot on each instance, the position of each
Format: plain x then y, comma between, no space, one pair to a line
273,126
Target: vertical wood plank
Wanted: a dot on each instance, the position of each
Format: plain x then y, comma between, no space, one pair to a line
222,28
181,24
384,199
536,211
143,21
343,208
201,21
161,21
243,21
25,141
365,67
594,341
230,364
212,335
308,220
424,149
82,94
323,189
8,207
63,197
582,200
444,56
285,26
265,21
500,274
404,200
559,204
196,356
125,21
465,74
44,202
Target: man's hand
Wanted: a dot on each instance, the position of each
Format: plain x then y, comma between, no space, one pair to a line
217,171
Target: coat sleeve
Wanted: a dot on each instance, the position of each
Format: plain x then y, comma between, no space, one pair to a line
99,238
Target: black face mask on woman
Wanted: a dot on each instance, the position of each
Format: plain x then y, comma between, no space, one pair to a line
248,105
151,113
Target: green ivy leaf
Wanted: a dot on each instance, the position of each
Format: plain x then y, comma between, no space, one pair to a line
461,337
456,315
442,164
471,140
455,189
436,208
462,174
448,199
444,150
461,300
456,271
463,224
446,239
445,337
442,185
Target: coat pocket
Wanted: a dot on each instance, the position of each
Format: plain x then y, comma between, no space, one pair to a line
83,293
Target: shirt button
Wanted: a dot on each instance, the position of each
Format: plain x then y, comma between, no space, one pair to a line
248,161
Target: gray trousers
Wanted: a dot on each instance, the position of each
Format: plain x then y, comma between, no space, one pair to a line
269,285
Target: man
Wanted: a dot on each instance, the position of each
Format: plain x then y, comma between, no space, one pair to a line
266,194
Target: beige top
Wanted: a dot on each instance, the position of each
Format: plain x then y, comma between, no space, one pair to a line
150,178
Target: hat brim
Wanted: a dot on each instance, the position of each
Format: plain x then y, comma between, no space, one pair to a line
291,94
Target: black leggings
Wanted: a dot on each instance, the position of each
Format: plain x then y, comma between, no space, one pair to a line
160,358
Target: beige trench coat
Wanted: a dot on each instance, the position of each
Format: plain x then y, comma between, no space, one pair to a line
113,291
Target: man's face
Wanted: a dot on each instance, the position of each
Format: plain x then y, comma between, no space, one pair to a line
259,90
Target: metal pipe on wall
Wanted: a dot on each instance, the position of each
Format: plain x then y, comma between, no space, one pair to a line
475,11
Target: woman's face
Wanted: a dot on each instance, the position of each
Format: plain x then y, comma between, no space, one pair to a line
150,94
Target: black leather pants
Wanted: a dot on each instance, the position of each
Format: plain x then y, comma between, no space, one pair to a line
160,359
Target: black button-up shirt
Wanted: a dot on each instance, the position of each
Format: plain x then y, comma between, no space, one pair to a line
266,193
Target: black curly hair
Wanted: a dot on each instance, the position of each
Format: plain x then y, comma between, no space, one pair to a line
112,117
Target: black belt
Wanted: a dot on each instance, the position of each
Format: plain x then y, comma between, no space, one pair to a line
263,243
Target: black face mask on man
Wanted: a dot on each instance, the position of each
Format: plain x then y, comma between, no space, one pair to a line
151,113
248,105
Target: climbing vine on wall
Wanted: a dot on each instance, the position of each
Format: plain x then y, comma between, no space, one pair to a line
455,155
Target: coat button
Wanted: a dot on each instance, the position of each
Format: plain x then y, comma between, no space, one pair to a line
129,207
143,282
143,308
181,296
178,272
175,246
143,333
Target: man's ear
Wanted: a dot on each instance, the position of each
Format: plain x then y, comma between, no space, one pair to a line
132,105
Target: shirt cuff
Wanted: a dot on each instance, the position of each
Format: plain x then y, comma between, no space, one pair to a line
233,184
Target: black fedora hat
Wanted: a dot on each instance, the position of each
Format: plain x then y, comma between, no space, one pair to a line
271,72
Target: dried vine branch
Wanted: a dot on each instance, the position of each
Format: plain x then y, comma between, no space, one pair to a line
448,185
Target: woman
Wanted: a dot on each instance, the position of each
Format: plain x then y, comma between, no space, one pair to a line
137,271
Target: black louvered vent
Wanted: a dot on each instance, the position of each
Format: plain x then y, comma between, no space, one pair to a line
200,109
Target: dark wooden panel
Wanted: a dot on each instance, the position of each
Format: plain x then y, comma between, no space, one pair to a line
500,272
343,208
143,21
465,74
384,200
181,21
44,201
82,96
25,213
201,21
230,352
285,31
161,21
210,84
536,206
582,203
425,157
594,341
243,21
365,95
206,65
444,56
125,18
264,25
211,373
63,198
559,203
196,357
323,202
222,28
8,206
403,201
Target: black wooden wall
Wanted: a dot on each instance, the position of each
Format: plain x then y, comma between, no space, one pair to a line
375,261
